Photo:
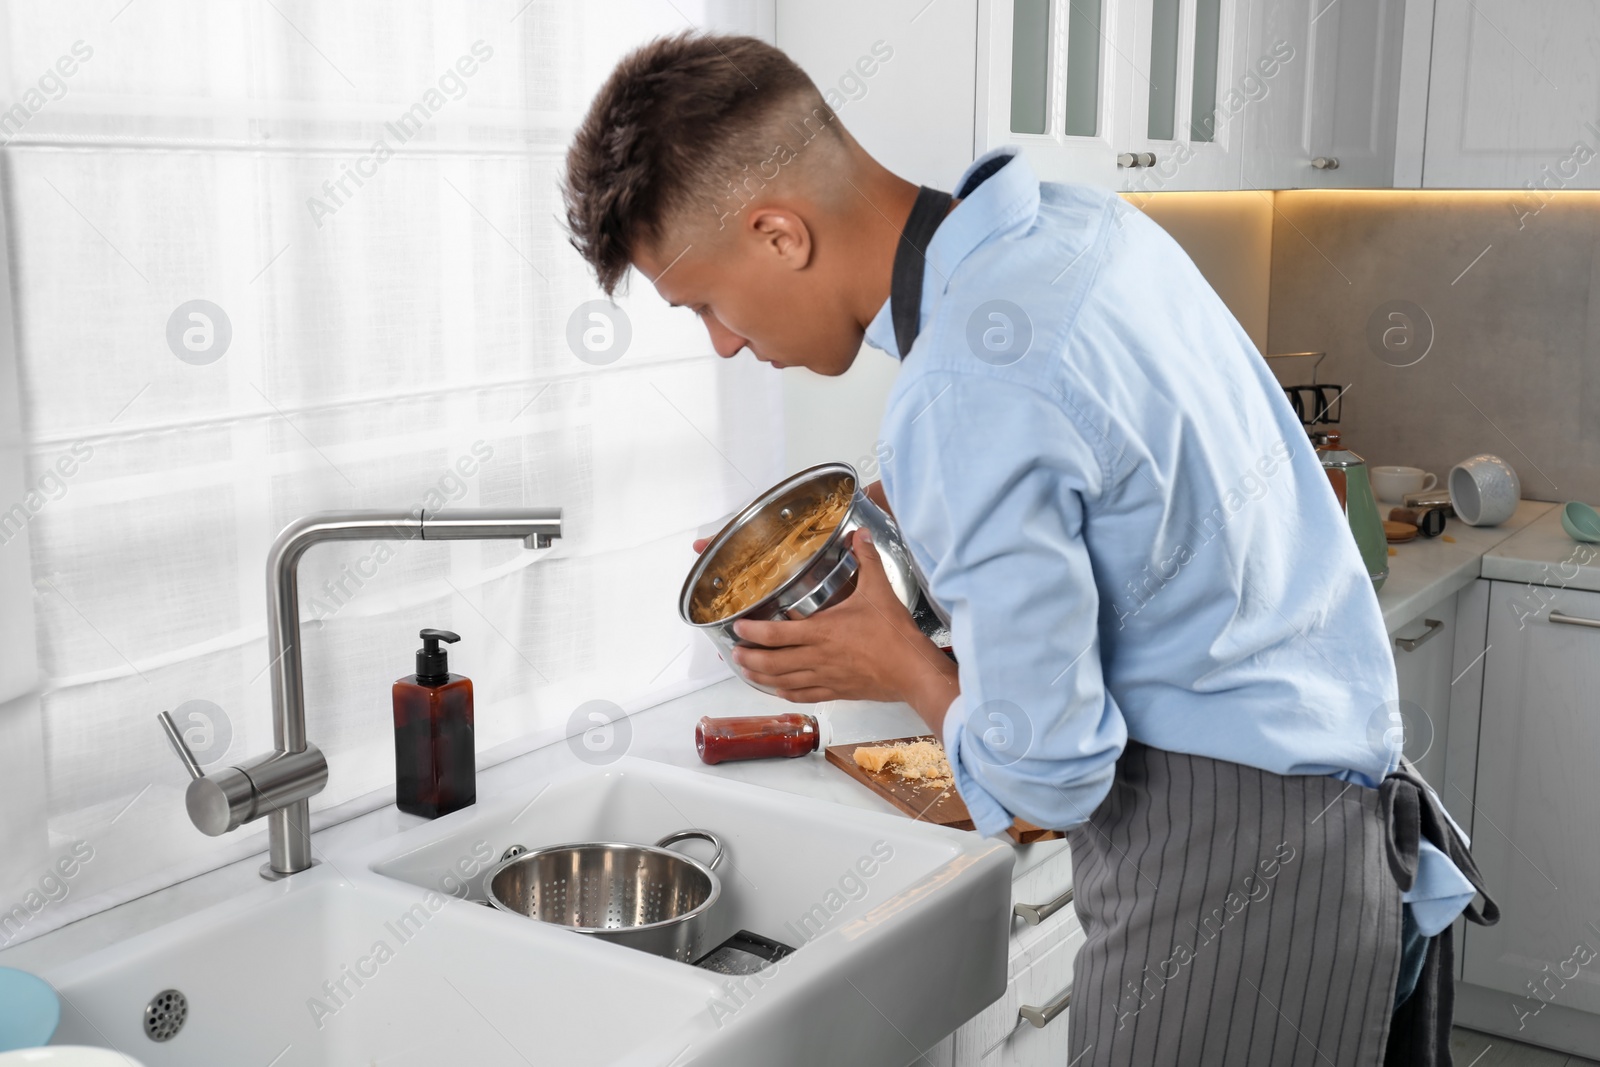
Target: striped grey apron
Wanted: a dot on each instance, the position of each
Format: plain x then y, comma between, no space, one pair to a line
1234,917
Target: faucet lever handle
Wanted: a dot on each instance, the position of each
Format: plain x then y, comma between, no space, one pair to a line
228,799
190,764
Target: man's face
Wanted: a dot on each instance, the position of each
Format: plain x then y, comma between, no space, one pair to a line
759,288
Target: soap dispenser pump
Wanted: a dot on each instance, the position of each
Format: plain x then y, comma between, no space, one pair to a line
435,766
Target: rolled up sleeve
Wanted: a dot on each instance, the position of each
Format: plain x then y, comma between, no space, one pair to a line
990,481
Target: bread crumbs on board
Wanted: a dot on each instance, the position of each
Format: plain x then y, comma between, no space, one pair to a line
922,762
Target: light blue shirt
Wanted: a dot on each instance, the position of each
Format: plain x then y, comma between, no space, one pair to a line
1110,496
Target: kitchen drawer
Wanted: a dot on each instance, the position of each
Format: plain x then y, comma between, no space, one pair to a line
1043,870
1033,1048
1425,674
1046,977
1039,972
1043,874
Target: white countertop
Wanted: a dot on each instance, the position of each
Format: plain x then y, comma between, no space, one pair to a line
1543,552
1425,571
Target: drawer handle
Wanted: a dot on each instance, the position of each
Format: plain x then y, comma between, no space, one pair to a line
1574,620
1034,914
1411,644
1040,1017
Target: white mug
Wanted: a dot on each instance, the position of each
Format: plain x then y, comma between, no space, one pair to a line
1484,490
1393,483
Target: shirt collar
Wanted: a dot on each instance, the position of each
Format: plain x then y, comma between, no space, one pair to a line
1005,196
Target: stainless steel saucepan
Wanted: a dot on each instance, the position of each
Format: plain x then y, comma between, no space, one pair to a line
643,896
820,581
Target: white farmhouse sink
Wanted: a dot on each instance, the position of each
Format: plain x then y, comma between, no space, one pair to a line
407,985
900,930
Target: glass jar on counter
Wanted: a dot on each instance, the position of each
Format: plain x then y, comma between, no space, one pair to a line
756,737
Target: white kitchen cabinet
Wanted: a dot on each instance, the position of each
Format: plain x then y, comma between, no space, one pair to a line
1537,795
1042,979
1424,652
1514,94
1133,95
1178,122
1040,971
1458,789
1123,94
1040,975
1048,77
1324,91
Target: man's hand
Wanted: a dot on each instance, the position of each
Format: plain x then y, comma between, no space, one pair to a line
866,648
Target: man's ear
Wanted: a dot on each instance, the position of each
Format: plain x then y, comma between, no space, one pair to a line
783,234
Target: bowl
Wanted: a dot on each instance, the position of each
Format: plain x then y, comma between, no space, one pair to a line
1581,522
29,1010
823,578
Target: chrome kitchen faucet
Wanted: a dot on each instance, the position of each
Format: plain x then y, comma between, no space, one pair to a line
279,785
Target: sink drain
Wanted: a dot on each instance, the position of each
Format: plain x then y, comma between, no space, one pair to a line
165,1014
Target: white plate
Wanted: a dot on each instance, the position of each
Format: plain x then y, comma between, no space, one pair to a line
67,1056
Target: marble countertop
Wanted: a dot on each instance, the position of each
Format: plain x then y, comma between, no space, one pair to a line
1544,552
1425,571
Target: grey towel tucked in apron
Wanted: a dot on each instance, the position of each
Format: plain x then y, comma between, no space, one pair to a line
1234,917
1420,1033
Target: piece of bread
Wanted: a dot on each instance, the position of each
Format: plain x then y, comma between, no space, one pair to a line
875,758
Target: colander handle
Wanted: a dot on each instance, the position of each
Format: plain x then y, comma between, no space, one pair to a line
703,835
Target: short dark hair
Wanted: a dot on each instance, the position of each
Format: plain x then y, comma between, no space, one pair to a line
673,121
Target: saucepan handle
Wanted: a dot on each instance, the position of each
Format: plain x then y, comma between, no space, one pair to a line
825,590
703,835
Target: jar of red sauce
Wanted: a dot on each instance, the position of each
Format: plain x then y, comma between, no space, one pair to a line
756,737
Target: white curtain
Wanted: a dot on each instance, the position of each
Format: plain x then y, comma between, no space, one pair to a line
396,323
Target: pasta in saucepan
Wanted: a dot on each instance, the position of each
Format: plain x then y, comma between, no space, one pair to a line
767,566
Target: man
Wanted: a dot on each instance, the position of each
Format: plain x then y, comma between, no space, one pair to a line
1165,635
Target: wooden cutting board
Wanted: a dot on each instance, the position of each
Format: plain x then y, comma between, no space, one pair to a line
940,807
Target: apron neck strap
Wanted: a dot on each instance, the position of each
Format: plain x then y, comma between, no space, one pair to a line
910,261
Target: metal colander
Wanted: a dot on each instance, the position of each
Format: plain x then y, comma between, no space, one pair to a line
643,896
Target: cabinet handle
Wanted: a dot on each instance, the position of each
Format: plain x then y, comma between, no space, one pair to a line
1040,1017
1135,160
1574,620
1034,914
1411,644
1326,162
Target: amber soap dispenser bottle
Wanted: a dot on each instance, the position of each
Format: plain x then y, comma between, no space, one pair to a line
435,767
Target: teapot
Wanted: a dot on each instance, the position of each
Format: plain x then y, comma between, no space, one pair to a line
1351,484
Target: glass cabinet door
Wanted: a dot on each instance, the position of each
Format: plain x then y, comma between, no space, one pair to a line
1132,94
1045,83
1178,132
